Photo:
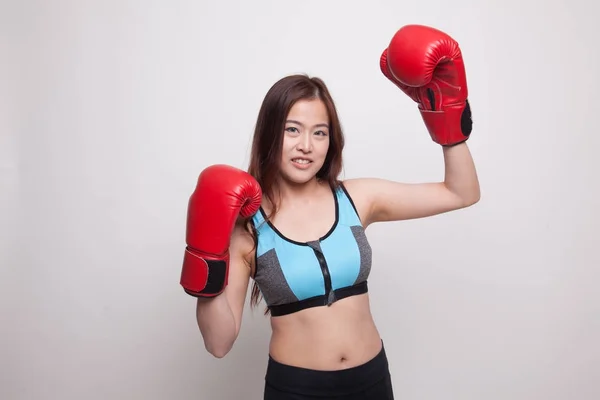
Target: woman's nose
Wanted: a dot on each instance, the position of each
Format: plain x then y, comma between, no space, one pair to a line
305,142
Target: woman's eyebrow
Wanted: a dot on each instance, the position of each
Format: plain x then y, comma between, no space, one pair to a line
293,121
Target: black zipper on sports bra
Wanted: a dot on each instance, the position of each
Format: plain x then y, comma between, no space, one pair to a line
326,276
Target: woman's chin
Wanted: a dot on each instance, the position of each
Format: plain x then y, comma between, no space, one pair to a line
300,174
298,177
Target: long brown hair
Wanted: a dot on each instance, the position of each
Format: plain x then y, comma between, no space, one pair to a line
268,139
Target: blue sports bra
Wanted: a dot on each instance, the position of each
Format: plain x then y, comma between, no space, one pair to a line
293,276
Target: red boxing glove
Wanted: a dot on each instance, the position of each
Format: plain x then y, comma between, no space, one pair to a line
222,194
427,65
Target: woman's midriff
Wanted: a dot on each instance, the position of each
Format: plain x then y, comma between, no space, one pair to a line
340,336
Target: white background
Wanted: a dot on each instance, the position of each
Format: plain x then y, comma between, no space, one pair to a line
110,109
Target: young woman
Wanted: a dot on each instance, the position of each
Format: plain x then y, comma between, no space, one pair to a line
298,232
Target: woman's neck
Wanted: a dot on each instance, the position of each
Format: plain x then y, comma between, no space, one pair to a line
286,193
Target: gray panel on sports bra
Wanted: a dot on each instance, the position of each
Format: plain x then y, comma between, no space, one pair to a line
365,252
277,291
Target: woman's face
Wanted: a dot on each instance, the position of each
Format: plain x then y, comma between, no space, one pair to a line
305,141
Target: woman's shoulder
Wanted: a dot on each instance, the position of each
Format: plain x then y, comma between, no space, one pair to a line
357,190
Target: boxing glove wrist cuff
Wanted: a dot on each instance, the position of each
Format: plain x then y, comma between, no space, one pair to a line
204,276
449,127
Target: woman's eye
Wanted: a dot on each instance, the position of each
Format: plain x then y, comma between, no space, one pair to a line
291,129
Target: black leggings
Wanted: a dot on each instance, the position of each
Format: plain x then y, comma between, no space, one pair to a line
368,381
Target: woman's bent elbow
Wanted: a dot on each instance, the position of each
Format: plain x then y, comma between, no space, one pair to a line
218,350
